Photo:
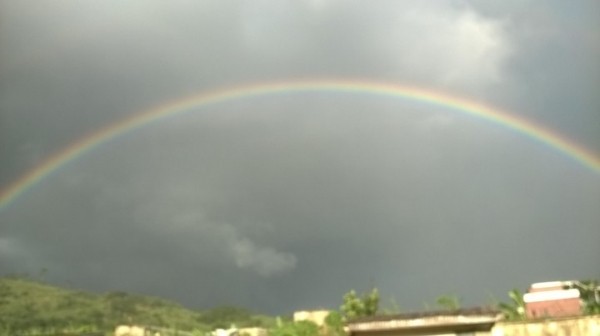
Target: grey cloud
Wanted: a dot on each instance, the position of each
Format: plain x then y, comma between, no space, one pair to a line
264,260
287,201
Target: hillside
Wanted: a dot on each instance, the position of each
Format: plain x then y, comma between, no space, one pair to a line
31,307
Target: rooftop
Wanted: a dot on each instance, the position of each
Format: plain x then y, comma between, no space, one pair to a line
477,318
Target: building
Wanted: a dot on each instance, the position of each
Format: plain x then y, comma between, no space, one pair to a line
552,299
461,322
561,326
316,316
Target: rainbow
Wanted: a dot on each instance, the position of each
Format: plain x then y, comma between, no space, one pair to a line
521,125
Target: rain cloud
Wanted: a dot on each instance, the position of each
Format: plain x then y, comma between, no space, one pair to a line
287,201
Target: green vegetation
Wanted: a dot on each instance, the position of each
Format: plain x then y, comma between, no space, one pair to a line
354,306
443,302
288,328
590,295
448,302
335,324
589,292
515,309
224,317
29,307
32,308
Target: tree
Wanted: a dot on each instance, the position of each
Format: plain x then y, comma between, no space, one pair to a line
334,324
589,291
515,310
224,316
355,306
300,328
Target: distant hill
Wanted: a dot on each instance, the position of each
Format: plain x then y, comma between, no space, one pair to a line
30,307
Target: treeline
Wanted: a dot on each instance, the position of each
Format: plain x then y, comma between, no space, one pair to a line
32,307
29,308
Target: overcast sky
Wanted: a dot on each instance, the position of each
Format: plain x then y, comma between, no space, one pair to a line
285,202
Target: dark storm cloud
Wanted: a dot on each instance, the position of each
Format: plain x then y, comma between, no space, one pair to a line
556,73
286,202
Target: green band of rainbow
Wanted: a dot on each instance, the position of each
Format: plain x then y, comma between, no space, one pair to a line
518,124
